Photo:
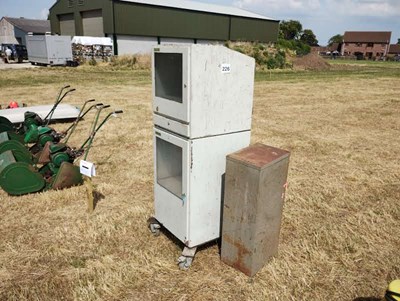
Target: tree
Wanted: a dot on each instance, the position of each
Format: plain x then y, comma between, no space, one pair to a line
290,30
398,41
292,36
309,37
335,39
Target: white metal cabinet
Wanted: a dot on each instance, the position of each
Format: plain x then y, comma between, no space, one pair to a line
209,88
202,105
205,181
171,181
188,183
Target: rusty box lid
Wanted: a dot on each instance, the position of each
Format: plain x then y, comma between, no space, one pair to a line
259,155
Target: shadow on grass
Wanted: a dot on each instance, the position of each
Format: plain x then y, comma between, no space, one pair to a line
97,197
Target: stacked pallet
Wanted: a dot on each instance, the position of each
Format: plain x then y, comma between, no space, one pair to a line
91,48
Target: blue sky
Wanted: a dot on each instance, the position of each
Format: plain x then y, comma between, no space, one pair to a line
325,17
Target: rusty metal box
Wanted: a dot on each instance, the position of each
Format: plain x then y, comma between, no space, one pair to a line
255,184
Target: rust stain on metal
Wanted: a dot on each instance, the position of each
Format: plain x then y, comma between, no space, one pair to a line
67,176
44,155
242,251
259,155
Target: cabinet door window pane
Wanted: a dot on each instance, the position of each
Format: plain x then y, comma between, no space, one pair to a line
169,166
168,76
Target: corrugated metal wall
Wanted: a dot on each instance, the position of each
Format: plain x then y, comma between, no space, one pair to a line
253,29
119,18
135,19
149,20
78,10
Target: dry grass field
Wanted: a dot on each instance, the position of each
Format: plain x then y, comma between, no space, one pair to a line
340,233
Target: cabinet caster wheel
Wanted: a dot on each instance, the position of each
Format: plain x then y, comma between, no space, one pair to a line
154,226
184,263
155,229
186,259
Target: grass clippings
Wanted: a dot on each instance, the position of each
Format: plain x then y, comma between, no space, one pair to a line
341,216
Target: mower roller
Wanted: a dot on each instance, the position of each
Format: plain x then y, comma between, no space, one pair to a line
11,141
5,124
20,175
10,135
18,149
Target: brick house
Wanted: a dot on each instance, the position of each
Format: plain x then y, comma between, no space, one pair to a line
367,44
394,49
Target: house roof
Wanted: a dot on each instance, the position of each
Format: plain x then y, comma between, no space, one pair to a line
394,49
334,47
204,7
30,25
367,36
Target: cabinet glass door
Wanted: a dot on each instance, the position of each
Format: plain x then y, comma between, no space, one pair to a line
168,76
169,166
170,85
171,163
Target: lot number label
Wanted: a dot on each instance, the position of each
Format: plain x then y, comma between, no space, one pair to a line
226,68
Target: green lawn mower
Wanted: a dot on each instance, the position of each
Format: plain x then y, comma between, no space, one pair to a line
20,172
33,119
39,135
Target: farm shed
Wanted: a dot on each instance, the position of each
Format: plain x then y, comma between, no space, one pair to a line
14,30
370,44
137,25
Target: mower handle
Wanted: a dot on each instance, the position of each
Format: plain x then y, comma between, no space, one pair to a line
95,129
65,94
82,114
50,114
90,108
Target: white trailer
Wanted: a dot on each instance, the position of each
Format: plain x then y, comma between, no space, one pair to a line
49,50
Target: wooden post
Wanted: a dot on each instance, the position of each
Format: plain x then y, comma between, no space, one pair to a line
90,196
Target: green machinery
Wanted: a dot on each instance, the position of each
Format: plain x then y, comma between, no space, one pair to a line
6,125
48,164
40,135
32,121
